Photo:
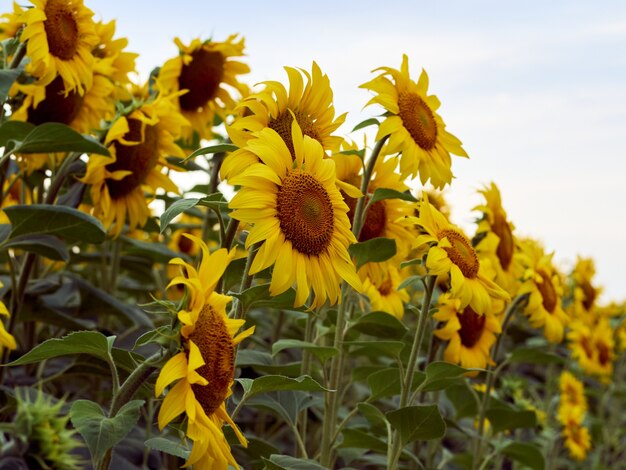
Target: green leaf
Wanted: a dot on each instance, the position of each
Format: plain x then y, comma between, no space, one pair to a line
362,440
372,414
7,78
502,419
259,296
168,446
102,433
441,375
15,131
463,400
78,342
286,462
176,208
534,356
375,348
386,193
323,353
381,325
366,123
215,201
375,250
157,252
65,222
387,382
525,453
212,149
45,245
275,383
358,153
55,137
415,423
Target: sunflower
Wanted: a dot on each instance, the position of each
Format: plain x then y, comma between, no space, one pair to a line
577,439
496,239
112,61
452,253
438,200
61,36
10,23
138,143
204,369
207,71
384,294
298,214
6,339
310,105
470,335
543,282
593,346
573,402
413,125
585,294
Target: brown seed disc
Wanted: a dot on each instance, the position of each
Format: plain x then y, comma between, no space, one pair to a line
57,106
472,327
202,77
418,119
548,294
61,29
461,252
375,222
506,245
282,125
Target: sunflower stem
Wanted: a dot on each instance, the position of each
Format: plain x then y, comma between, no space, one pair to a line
231,231
359,212
491,379
305,369
246,279
409,373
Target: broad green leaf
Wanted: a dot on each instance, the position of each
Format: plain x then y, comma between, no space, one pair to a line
285,404
525,453
220,148
45,245
463,400
375,250
286,462
7,78
423,422
362,440
93,343
534,356
366,123
323,353
161,335
386,193
502,419
102,433
168,446
375,348
55,137
381,325
215,201
157,252
441,375
275,383
178,207
259,296
372,414
15,131
387,382
358,153
408,281
65,222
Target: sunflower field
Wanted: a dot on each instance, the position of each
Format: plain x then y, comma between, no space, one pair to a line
201,272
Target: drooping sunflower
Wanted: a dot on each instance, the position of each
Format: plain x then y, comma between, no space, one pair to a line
451,252
573,403
577,439
208,71
138,143
298,215
204,369
470,335
384,294
61,36
310,104
496,239
593,346
413,126
543,282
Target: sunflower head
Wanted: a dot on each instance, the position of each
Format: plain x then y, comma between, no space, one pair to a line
10,23
585,293
382,289
577,439
573,402
413,125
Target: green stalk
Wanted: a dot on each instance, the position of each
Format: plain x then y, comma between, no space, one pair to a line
246,280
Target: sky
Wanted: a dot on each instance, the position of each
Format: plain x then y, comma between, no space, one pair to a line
535,90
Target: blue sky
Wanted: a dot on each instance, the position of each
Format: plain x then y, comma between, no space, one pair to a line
535,90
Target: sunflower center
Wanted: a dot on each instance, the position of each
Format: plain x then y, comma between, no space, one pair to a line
472,326
375,222
57,106
202,77
216,346
386,287
461,252
603,353
572,395
590,295
282,125
418,119
185,245
548,294
61,29
584,342
306,213
140,159
506,245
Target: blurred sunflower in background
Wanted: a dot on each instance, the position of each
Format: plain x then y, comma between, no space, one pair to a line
139,143
384,294
593,347
208,71
299,216
310,104
10,23
585,294
204,368
413,125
